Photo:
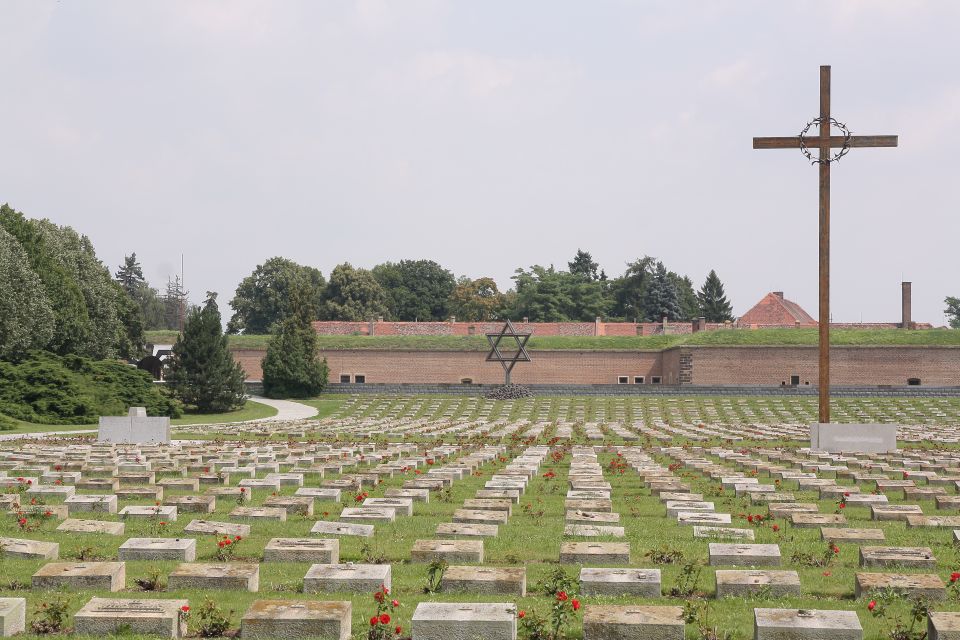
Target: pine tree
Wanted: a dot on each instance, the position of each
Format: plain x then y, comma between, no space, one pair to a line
174,303
130,276
291,368
661,299
203,373
713,301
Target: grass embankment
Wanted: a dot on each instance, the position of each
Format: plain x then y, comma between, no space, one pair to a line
731,337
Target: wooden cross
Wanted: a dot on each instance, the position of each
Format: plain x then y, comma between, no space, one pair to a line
824,142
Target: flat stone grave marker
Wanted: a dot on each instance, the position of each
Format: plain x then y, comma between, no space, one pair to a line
180,484
806,624
402,506
767,498
596,504
676,506
417,495
608,622
485,580
836,534
618,582
259,513
271,619
293,505
592,517
73,525
355,578
457,529
167,514
447,621
595,553
933,521
324,527
812,520
679,497
222,575
139,493
98,484
928,585
13,616
313,550
91,503
506,494
485,504
702,518
105,576
739,583
366,515
51,491
319,493
192,504
918,557
209,527
183,549
948,502
29,549
449,550
788,509
480,516
240,494
723,532
104,616
866,499
593,531
752,555
943,625
894,511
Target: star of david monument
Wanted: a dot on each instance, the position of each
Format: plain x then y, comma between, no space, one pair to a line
509,354
823,435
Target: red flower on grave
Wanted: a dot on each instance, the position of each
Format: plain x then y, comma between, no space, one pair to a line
163,524
243,489
373,621
906,475
521,614
775,528
827,574
398,630
220,544
185,609
395,604
575,603
562,596
954,576
237,539
384,618
842,505
48,513
836,549
846,494
872,605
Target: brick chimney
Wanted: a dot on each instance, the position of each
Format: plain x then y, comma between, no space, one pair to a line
779,294
905,305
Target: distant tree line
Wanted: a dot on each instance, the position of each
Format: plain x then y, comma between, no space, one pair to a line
422,290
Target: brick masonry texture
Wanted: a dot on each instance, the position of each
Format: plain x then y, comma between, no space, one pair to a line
700,365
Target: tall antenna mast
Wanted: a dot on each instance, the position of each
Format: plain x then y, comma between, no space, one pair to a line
181,293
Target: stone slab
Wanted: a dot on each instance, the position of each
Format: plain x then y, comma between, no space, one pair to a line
355,578
618,582
324,527
485,580
464,621
183,549
73,525
632,622
751,555
105,616
29,549
595,553
928,585
853,438
13,616
271,619
449,550
740,583
806,624
216,575
104,576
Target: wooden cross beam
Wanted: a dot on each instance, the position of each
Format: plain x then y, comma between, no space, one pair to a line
824,142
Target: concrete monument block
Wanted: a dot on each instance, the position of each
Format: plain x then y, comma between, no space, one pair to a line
13,616
853,438
133,428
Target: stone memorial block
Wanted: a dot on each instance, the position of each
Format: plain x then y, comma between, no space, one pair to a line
702,518
723,532
104,616
632,622
814,520
751,555
259,513
595,553
192,504
417,495
928,585
402,506
51,491
324,527
917,557
13,616
209,527
105,576
456,621
806,624
317,493
271,619
787,510
240,494
98,484
355,578
73,525
680,497
853,438
618,582
835,534
91,503
183,549
593,531
29,549
895,511
676,506
302,550
135,427
164,513
489,505
219,575
480,516
598,504
592,517
739,583
367,515
943,625
456,529
496,494
450,550
486,580
296,505
866,499
139,493
180,484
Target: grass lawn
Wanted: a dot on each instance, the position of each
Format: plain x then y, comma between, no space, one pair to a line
251,410
732,337
326,406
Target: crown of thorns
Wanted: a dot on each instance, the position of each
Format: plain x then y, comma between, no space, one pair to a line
834,157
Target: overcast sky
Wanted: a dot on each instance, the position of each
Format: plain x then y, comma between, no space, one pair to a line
491,135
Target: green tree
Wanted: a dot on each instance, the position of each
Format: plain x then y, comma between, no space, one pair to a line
476,300
291,368
131,341
953,311
263,298
542,294
713,300
686,296
352,295
203,373
130,278
26,318
628,291
130,275
584,267
174,303
661,299
416,289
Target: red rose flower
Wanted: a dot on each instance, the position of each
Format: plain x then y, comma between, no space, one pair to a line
872,605
521,614
185,609
562,596
373,621
575,603
384,618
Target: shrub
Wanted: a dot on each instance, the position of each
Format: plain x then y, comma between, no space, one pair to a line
51,389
